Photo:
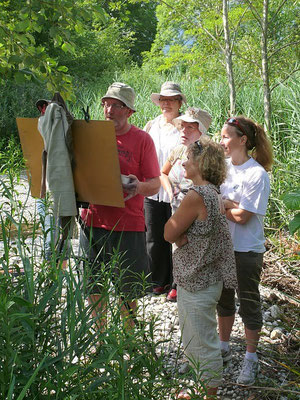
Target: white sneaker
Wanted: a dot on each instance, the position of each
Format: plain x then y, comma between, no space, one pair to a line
248,373
226,355
184,368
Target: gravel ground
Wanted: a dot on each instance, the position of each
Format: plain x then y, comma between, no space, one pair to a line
272,374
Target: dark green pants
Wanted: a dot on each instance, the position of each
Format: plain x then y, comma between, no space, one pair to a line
249,267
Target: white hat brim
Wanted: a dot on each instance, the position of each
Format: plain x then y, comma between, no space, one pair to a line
186,118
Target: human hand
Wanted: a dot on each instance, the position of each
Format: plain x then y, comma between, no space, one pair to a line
131,188
170,194
182,240
230,204
221,205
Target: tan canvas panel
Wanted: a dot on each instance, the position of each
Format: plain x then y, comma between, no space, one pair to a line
97,175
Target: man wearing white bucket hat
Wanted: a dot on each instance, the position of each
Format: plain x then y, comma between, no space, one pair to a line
109,229
157,208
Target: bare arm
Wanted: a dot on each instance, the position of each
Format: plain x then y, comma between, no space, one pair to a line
150,187
236,214
192,207
165,180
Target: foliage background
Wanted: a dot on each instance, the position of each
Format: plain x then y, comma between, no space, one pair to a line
79,48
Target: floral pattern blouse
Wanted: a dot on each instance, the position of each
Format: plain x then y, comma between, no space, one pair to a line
208,256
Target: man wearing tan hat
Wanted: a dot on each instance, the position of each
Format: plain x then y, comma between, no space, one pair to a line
112,229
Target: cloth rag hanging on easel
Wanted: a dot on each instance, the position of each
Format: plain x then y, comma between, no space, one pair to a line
55,127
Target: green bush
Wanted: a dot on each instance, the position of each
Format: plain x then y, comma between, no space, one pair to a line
292,202
17,101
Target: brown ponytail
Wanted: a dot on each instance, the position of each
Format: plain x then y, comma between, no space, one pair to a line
257,141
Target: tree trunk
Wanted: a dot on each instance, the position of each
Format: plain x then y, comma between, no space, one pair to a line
228,58
265,67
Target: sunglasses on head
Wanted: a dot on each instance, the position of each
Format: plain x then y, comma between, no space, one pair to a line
235,122
199,145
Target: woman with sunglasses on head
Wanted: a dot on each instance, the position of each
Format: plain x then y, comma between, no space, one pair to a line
192,124
157,208
245,194
203,261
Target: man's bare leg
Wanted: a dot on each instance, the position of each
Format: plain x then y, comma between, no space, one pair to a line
225,327
99,311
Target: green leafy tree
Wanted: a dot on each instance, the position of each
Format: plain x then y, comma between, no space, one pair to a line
134,18
52,41
31,31
274,24
191,36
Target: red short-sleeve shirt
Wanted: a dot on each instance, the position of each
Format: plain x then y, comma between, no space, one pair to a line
137,156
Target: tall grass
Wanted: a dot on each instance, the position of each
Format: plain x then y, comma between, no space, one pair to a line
50,346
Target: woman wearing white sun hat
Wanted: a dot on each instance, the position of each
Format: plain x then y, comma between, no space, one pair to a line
157,208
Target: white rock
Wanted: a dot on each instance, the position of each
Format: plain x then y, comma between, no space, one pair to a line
267,316
274,311
276,333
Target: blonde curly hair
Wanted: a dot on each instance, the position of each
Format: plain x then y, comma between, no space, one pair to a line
211,160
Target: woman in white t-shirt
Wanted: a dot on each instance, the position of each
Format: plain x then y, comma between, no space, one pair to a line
245,194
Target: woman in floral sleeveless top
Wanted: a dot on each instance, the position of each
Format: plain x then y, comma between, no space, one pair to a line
203,261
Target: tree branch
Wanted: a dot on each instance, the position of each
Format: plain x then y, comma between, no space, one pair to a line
285,79
195,23
277,11
282,47
236,29
249,61
255,13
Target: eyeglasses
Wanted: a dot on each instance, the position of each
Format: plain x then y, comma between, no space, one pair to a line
235,122
199,145
114,106
161,99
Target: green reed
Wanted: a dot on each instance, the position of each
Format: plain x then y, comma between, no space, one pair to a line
50,346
